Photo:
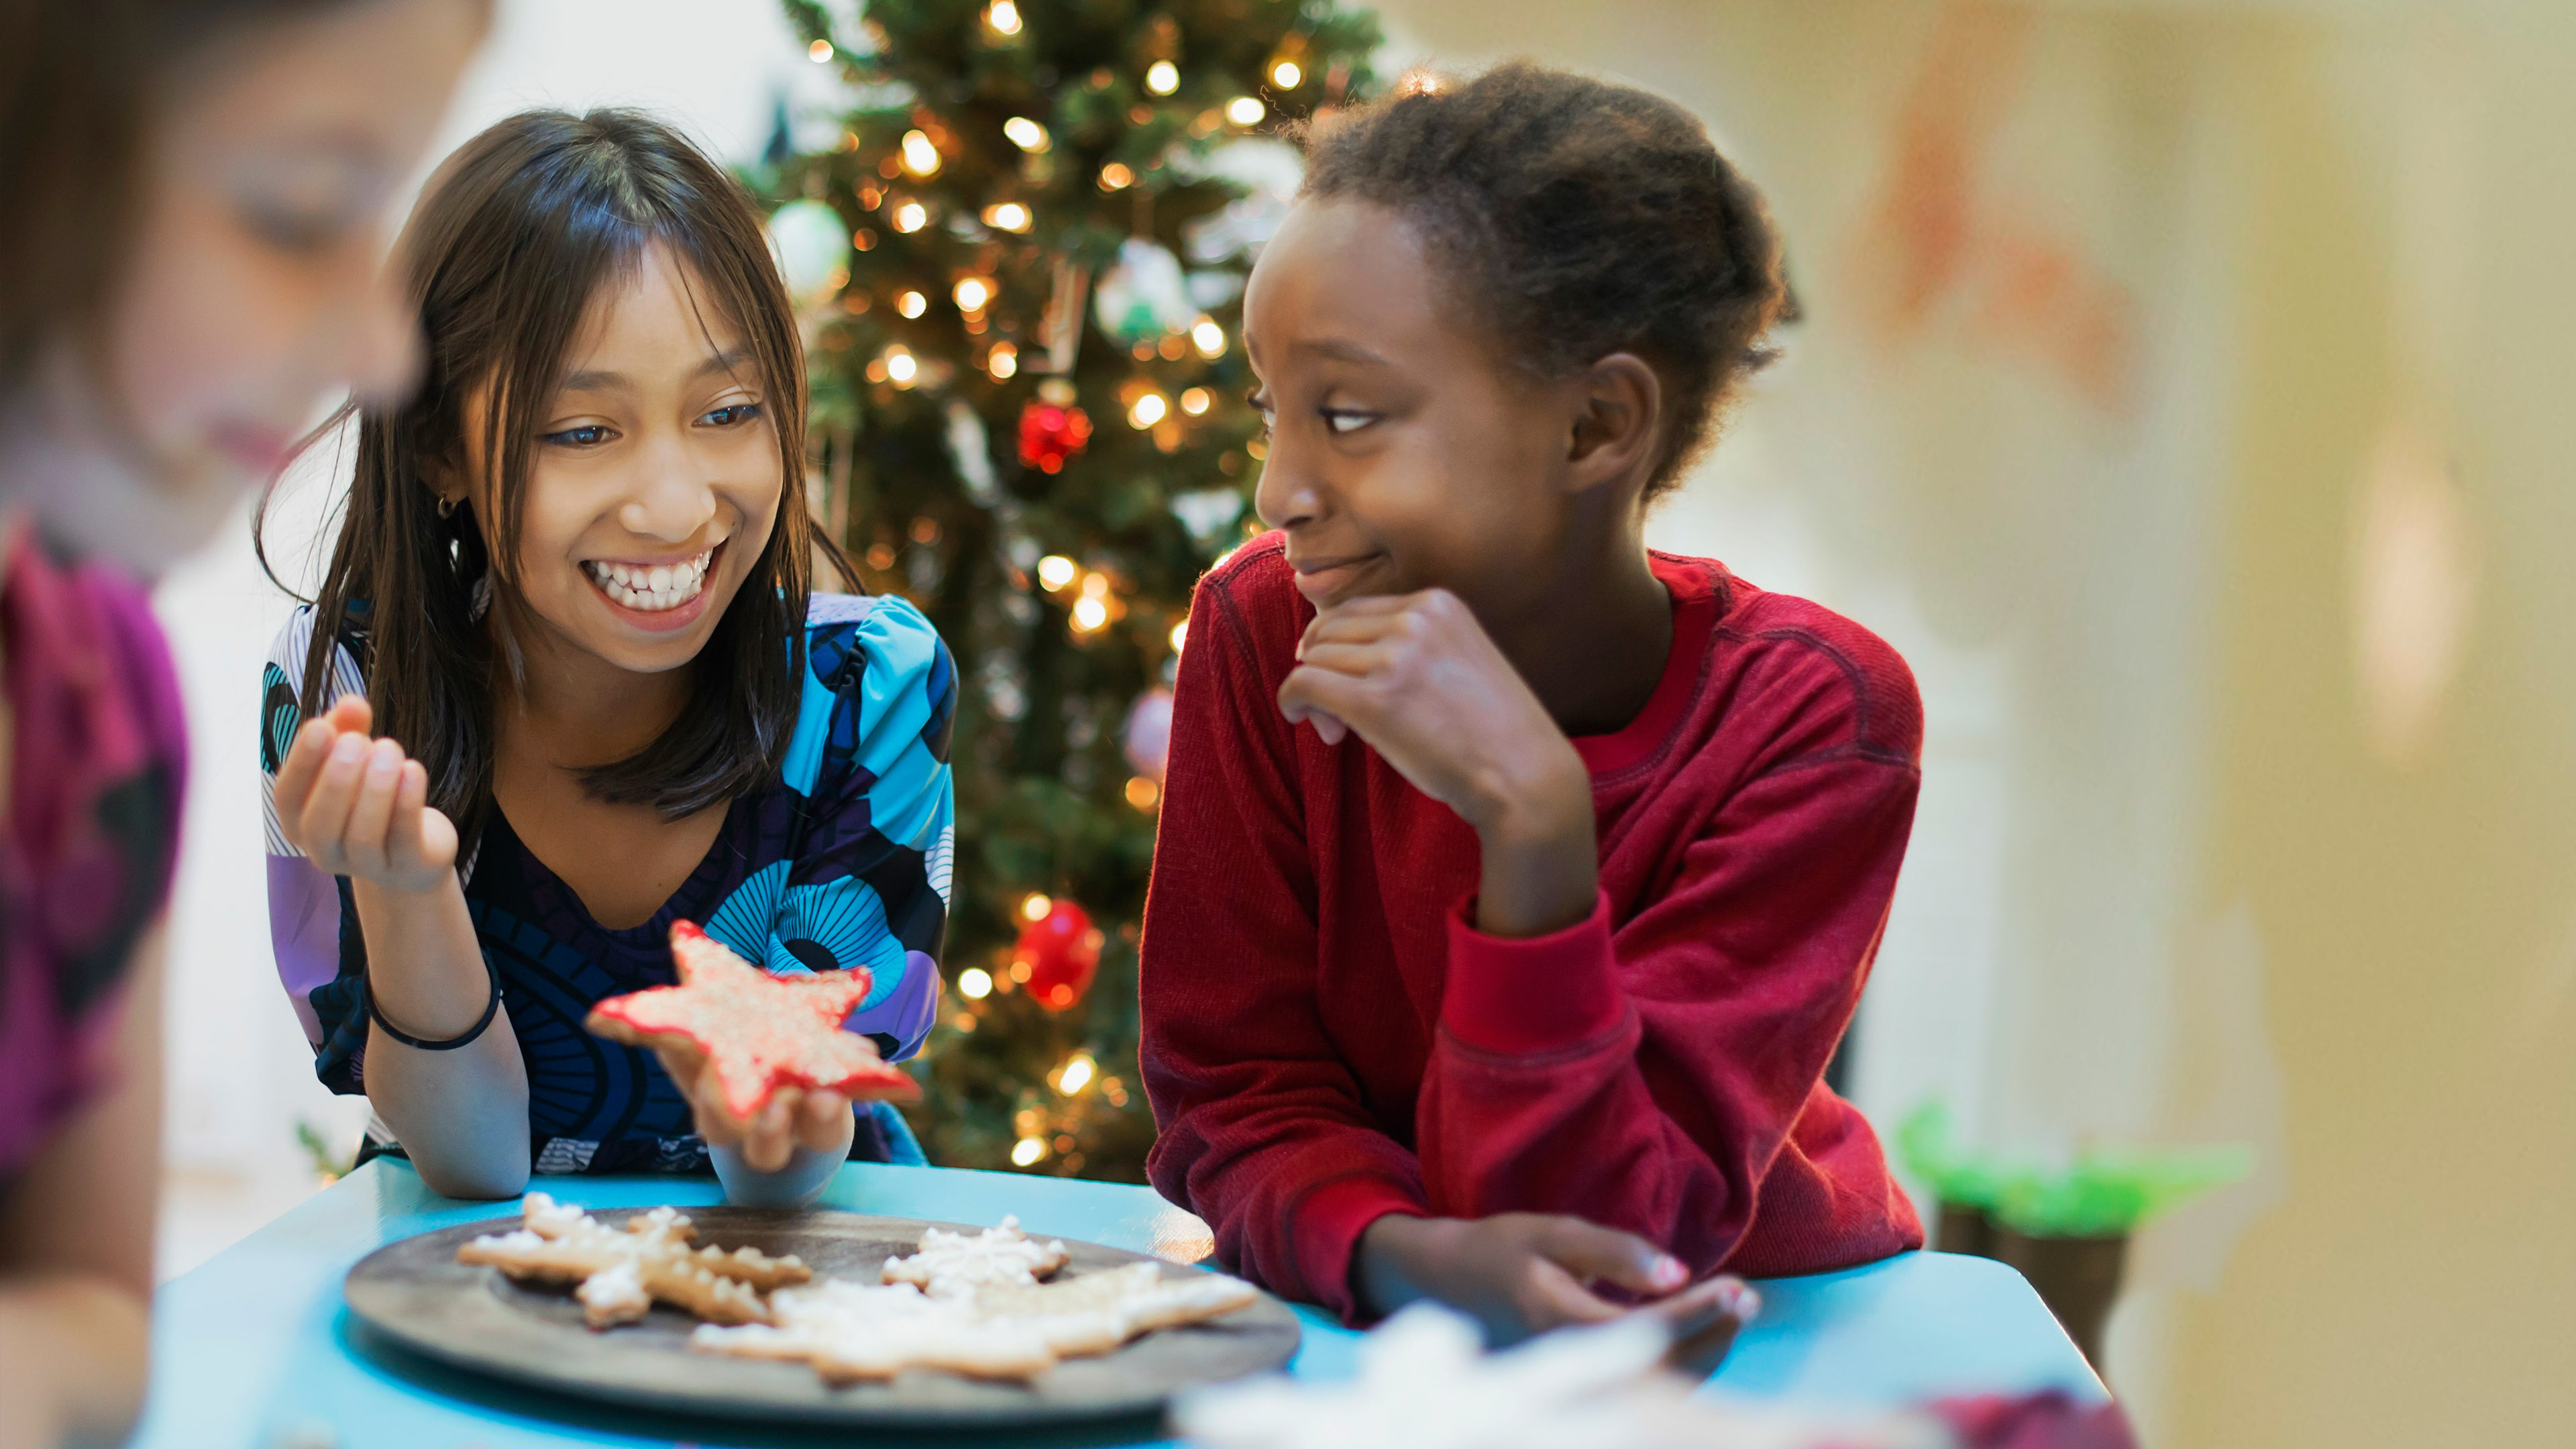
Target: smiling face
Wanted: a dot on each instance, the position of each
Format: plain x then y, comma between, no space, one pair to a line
655,479
1404,452
252,286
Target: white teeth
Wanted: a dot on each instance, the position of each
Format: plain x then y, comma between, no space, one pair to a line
650,590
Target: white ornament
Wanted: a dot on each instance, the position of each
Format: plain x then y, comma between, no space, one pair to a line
1236,229
1144,294
812,247
1207,513
1269,173
1261,167
1211,290
971,450
1147,735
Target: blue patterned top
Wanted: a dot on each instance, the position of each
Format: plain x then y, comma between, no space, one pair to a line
844,862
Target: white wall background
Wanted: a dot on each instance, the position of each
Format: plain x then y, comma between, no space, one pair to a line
240,1075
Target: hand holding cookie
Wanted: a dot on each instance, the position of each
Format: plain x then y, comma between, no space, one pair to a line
763,1058
359,807
813,1118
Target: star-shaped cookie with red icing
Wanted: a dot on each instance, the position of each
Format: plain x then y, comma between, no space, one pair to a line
760,1032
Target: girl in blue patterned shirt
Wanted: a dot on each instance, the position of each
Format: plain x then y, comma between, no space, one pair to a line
570,593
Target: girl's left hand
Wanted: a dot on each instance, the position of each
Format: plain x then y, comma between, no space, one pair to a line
817,1121
1418,678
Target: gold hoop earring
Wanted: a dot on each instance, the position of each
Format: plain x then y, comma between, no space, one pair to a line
447,508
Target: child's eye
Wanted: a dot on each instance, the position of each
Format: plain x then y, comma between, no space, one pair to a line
1345,420
588,435
302,231
731,414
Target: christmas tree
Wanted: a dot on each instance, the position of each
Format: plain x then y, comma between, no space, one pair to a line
1022,266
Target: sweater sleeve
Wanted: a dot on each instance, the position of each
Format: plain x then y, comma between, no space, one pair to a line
1650,1078
868,885
1263,1129
303,902
895,892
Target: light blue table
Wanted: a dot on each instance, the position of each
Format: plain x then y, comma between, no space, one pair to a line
253,1350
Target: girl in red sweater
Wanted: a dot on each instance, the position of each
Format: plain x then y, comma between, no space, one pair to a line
1515,882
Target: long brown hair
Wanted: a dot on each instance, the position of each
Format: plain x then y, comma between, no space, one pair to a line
517,233
79,85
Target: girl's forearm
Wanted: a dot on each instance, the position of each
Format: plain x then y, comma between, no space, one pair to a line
73,1353
462,1114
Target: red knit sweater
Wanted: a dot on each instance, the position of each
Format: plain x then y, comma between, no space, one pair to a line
1327,1040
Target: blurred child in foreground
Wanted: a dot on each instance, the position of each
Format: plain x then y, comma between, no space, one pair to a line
189,204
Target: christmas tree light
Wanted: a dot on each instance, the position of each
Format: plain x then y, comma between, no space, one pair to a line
919,156
1076,1074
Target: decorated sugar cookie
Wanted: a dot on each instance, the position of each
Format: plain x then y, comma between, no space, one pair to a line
852,1331
953,1265
760,1032
623,1271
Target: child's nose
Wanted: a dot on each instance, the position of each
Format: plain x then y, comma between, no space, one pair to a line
1287,494
672,499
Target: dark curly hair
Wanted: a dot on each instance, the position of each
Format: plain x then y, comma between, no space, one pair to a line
1575,219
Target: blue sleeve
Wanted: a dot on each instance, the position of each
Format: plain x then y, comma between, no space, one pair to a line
869,885
306,908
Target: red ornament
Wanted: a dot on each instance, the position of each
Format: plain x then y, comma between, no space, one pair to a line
1061,949
1050,434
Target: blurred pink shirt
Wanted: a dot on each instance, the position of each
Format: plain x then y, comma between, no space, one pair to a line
97,770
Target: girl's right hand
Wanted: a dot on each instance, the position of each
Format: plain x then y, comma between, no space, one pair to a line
359,807
1519,1274
793,1118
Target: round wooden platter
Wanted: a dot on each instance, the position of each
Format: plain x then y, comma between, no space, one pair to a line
416,1294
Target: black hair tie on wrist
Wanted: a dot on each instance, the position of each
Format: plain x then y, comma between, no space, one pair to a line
491,1009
